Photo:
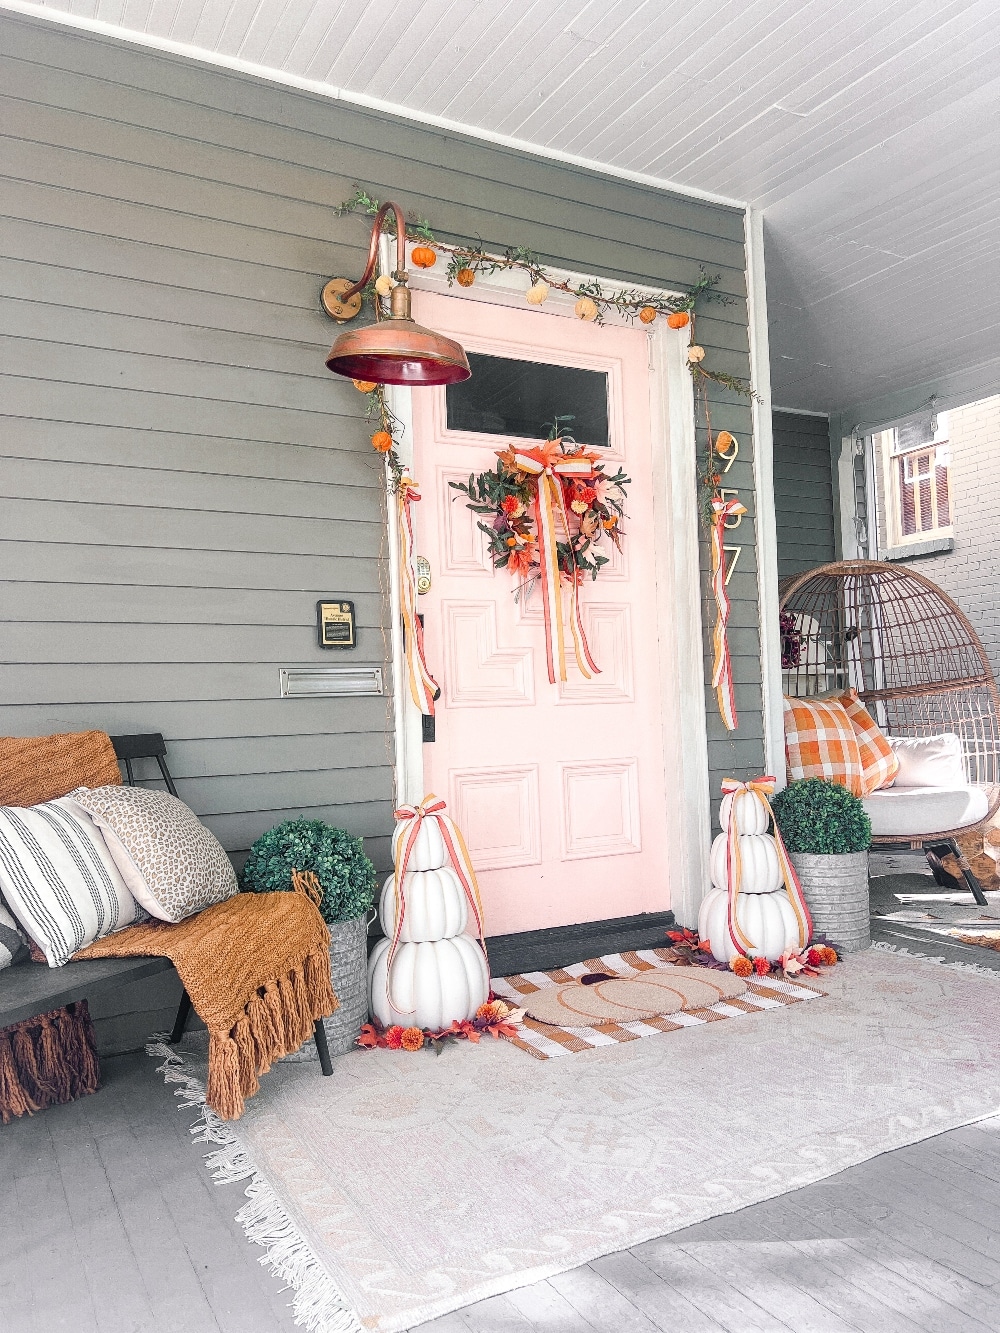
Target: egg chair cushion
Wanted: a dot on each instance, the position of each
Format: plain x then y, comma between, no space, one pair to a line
929,761
820,742
917,812
879,764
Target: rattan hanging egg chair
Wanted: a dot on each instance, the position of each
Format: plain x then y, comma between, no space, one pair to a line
920,669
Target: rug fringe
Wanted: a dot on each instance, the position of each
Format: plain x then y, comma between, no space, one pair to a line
317,1305
975,968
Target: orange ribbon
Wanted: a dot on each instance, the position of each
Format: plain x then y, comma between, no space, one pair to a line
432,807
722,669
549,499
760,789
424,689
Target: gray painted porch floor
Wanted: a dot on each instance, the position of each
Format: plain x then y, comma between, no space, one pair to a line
109,1223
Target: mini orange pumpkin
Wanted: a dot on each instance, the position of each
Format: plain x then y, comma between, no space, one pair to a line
585,309
465,277
382,441
724,441
424,257
647,314
364,386
680,319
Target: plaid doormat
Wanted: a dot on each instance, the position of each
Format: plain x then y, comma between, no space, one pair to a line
545,1041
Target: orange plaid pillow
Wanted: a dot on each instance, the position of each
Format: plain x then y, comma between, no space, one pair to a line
879,764
820,742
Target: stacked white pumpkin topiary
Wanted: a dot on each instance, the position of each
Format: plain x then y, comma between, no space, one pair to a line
764,911
437,974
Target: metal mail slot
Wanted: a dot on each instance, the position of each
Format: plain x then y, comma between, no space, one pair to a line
336,682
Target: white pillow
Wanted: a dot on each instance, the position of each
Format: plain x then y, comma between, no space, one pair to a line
59,880
929,761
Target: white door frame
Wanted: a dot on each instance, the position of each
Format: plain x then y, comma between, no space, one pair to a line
678,582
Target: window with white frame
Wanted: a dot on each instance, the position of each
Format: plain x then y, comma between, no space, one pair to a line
916,483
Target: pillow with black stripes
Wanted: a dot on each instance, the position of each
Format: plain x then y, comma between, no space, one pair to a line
59,880
13,945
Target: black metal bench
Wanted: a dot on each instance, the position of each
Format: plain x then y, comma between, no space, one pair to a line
28,989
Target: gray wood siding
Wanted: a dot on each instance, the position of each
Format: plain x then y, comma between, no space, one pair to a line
803,492
181,477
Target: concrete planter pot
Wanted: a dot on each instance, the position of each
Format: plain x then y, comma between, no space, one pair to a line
836,891
349,977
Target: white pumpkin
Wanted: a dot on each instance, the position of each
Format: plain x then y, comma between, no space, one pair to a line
765,918
436,906
751,817
433,983
760,871
428,852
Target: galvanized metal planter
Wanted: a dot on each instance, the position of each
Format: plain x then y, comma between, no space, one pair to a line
836,890
349,976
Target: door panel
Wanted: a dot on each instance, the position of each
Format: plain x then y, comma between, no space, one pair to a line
559,789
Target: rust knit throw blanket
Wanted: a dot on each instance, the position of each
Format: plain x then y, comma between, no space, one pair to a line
257,969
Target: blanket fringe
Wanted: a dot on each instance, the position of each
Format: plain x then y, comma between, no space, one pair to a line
975,968
317,1303
277,1019
47,1060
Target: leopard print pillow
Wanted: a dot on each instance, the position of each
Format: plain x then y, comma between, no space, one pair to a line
170,861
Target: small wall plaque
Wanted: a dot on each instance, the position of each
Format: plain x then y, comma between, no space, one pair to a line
335,624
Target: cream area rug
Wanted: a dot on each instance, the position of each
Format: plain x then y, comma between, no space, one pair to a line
408,1185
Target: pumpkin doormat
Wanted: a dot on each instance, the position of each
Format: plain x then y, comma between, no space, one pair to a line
546,1040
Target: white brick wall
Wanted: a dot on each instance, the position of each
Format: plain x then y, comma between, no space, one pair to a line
971,572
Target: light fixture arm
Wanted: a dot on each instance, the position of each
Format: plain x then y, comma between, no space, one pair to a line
380,217
341,299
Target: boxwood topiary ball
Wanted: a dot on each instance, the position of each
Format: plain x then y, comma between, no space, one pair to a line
337,859
822,818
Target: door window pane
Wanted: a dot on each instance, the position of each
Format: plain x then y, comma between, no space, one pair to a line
521,398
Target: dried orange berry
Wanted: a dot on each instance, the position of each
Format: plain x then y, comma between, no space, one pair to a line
423,256
680,319
465,277
364,386
647,314
382,441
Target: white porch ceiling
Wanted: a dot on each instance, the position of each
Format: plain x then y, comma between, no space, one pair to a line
866,131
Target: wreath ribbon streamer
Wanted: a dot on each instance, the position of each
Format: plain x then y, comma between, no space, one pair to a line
722,669
548,501
458,853
424,689
760,789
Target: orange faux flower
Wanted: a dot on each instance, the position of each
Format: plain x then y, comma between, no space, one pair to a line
394,1037
510,504
412,1039
465,277
741,966
678,320
647,314
827,956
382,441
761,966
493,1011
364,386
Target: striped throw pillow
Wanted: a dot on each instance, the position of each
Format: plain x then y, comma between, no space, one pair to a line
13,945
879,764
821,743
58,878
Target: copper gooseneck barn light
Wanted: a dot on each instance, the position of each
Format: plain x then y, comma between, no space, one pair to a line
394,350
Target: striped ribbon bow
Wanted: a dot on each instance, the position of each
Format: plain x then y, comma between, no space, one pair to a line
548,502
760,789
424,689
722,669
432,807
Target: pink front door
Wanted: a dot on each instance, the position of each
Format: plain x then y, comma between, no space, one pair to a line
559,789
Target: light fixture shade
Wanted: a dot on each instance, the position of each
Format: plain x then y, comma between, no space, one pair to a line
398,351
